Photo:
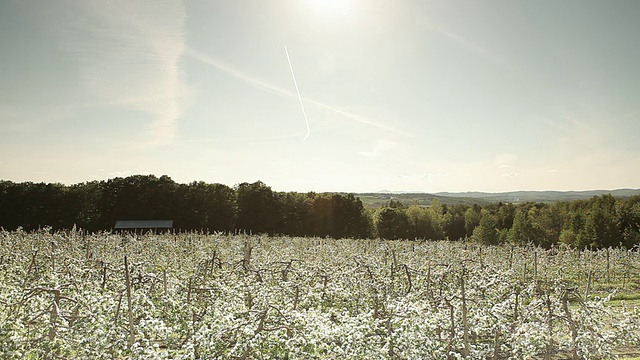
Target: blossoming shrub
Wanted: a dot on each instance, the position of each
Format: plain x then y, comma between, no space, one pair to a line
195,296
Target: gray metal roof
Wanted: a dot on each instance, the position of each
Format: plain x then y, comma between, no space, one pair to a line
144,224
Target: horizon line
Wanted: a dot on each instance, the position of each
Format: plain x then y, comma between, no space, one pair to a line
382,191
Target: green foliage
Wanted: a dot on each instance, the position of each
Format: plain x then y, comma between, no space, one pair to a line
487,232
521,232
207,207
601,228
256,204
420,223
472,219
392,224
600,222
255,208
436,214
454,224
629,220
339,216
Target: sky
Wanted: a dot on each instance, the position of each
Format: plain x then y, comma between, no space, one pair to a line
323,95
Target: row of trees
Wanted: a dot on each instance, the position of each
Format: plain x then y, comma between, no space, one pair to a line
97,205
599,222
602,221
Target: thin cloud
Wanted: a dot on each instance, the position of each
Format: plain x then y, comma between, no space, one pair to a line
380,147
283,92
579,132
464,42
129,53
26,119
627,115
245,139
435,175
237,73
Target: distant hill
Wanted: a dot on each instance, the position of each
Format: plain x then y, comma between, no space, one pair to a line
474,197
381,199
541,196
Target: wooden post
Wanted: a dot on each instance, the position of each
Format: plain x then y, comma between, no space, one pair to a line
129,303
608,268
535,264
550,346
465,323
496,345
511,257
588,288
53,319
246,260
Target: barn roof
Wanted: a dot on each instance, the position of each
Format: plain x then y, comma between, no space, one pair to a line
144,224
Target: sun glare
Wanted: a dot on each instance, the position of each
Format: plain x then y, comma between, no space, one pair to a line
331,7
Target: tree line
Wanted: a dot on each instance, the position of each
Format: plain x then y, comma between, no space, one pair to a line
602,221
197,206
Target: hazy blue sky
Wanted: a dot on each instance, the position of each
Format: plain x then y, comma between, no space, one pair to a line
418,95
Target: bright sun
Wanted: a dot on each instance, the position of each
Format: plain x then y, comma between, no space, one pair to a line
331,7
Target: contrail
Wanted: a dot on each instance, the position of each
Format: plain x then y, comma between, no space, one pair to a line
299,96
282,92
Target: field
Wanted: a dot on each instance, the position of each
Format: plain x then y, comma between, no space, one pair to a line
66,295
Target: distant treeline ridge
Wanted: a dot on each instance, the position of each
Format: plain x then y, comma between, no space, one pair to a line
601,221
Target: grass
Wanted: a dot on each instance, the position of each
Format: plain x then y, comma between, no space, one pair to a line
626,296
629,299
629,354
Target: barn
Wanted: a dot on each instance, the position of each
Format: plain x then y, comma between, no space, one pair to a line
143,225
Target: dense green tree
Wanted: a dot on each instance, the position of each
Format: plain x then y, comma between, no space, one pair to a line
602,221
436,213
14,205
396,204
256,204
629,220
33,205
571,233
348,217
294,214
521,231
205,207
601,228
138,197
339,216
321,215
88,197
538,234
419,223
392,223
487,232
547,222
504,215
472,219
454,228
596,223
